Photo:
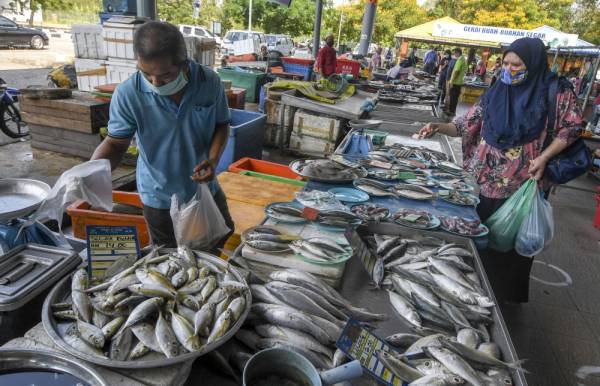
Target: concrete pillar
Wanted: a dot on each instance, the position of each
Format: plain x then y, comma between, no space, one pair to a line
146,8
367,27
317,29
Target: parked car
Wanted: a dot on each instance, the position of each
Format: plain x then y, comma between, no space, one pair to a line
238,35
280,43
196,30
13,35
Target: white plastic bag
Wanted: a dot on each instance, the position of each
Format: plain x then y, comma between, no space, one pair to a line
537,229
90,181
198,224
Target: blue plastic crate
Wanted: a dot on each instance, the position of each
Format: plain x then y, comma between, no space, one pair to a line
246,136
298,69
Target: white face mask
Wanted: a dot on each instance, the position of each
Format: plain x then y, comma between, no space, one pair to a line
170,88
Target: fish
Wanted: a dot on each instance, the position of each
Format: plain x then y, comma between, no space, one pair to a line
318,360
82,306
223,305
154,278
203,318
397,367
146,334
72,339
455,251
65,315
333,330
490,349
132,300
217,296
425,341
237,307
142,311
122,284
339,358
139,350
180,278
437,380
260,293
152,290
456,315
468,337
221,326
90,333
294,337
184,332
430,366
395,252
79,281
207,288
186,255
120,345
248,337
267,246
386,245
451,272
111,328
455,364
402,340
166,338
425,294
405,309
479,356
189,301
289,317
300,301
500,377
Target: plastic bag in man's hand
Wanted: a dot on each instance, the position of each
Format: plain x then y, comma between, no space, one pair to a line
90,181
504,224
537,229
198,224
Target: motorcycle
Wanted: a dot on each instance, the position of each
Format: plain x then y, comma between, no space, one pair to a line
11,123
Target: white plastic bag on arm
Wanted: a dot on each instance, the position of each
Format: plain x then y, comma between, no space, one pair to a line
90,181
198,224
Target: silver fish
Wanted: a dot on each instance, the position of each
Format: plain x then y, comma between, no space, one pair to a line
65,315
260,293
72,339
120,345
456,315
468,337
500,377
300,301
110,328
429,340
402,340
154,278
142,311
237,307
425,294
166,338
453,273
146,334
455,364
90,333
99,319
79,281
222,305
293,337
184,332
82,306
490,349
139,350
478,356
318,360
397,367
339,358
332,330
152,290
208,288
437,380
122,284
180,278
404,309
189,301
203,318
222,324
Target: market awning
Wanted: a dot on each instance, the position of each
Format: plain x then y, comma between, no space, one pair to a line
424,33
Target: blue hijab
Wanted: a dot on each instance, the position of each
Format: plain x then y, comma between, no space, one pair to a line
514,115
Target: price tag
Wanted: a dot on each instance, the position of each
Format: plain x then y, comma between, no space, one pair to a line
444,192
382,165
106,244
411,217
358,343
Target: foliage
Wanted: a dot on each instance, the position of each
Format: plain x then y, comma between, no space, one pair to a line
587,20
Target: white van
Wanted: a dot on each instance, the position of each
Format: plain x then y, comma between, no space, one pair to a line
280,43
235,35
196,30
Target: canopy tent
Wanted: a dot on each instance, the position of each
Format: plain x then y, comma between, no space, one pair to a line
424,33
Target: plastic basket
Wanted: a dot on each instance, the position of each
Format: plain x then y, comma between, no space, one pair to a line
249,80
300,61
82,215
263,167
298,69
377,137
346,66
246,136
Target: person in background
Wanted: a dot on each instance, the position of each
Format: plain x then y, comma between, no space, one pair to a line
375,61
456,80
389,55
430,61
496,71
412,58
502,139
264,54
481,70
326,58
444,63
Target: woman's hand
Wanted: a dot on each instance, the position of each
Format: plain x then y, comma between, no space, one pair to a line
537,167
428,130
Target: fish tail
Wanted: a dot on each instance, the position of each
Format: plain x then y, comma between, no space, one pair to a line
517,365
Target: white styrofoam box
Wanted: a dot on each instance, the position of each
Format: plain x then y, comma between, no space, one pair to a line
317,126
88,41
202,50
273,111
90,73
118,71
119,40
311,145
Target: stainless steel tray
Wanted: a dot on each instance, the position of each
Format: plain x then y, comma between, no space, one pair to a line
57,329
20,196
360,173
14,360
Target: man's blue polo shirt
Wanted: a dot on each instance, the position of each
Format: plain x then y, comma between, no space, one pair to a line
171,139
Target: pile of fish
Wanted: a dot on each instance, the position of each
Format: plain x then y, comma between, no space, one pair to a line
321,250
267,239
457,185
458,198
373,188
286,212
462,226
338,218
414,218
300,312
451,168
414,192
438,295
371,212
327,170
405,151
168,304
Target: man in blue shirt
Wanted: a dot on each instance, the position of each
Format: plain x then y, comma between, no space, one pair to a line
430,61
178,111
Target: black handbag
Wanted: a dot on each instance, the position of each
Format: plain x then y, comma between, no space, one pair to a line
573,161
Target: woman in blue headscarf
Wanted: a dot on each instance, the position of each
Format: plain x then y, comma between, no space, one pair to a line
503,145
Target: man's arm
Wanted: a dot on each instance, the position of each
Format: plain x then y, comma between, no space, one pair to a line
205,171
112,149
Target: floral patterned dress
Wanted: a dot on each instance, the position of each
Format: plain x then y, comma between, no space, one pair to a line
500,173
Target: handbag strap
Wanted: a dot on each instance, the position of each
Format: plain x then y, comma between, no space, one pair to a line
552,99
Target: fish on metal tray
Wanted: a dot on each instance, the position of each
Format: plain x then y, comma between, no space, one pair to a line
413,192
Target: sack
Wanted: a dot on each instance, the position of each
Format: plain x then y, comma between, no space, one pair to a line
571,163
576,159
505,223
537,229
198,224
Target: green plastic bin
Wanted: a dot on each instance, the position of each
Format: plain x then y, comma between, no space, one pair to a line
249,80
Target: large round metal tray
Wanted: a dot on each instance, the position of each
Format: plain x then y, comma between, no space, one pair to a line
15,360
20,196
360,172
56,329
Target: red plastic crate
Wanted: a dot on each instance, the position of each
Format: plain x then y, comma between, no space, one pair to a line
82,215
347,66
264,167
304,62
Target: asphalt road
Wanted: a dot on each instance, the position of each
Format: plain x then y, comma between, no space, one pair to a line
25,77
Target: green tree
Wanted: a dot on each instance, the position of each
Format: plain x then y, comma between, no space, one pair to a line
587,20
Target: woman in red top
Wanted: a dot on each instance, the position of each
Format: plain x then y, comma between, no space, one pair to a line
326,58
